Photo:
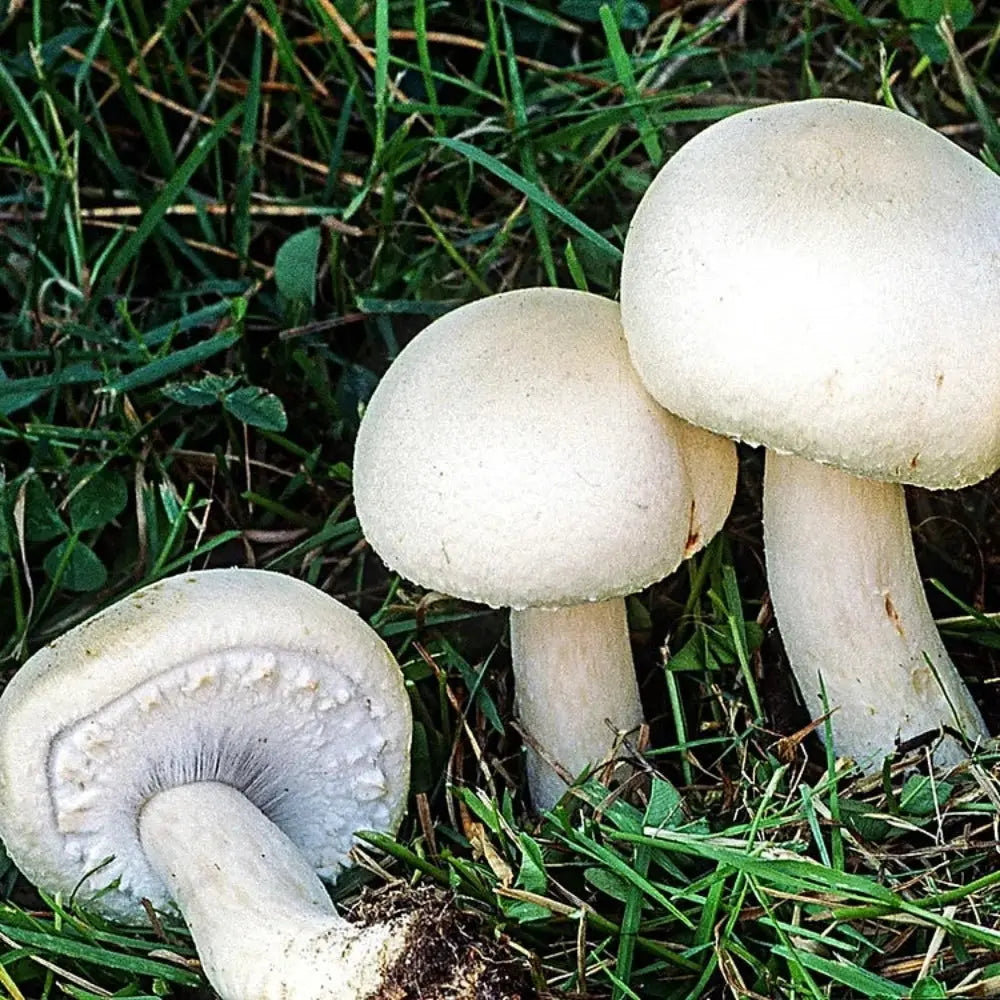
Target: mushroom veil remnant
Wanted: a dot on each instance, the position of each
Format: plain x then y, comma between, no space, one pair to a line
212,744
822,278
511,456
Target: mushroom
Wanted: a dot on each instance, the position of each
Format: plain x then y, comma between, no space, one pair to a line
213,742
821,277
510,456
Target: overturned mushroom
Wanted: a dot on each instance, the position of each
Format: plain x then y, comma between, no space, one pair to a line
511,456
213,742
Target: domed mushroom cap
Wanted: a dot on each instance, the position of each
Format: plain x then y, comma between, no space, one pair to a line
511,456
244,677
823,278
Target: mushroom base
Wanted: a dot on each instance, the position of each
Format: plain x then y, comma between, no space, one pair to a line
576,689
852,611
265,927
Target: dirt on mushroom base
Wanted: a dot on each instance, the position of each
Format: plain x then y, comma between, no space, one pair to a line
450,954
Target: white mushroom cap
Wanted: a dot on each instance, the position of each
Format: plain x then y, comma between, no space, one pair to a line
823,278
511,456
244,677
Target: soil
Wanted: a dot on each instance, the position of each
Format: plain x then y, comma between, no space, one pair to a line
451,954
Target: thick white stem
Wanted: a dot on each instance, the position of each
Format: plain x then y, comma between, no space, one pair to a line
261,919
851,607
574,675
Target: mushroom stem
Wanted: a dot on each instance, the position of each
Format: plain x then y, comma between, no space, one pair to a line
575,686
261,919
851,607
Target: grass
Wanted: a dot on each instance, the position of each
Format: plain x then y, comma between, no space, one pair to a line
219,222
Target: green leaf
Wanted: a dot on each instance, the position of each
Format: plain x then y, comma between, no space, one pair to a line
630,14
42,522
250,404
296,265
206,391
925,15
858,817
97,496
921,796
532,878
711,646
18,400
621,814
354,388
75,566
930,43
421,772
665,805
257,407
639,618
931,11
524,911
483,809
532,874
928,989
609,883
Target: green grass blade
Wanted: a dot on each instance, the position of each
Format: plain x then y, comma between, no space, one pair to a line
128,251
534,193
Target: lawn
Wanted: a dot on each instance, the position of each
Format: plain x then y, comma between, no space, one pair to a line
220,222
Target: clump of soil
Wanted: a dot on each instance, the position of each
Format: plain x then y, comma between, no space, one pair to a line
450,953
